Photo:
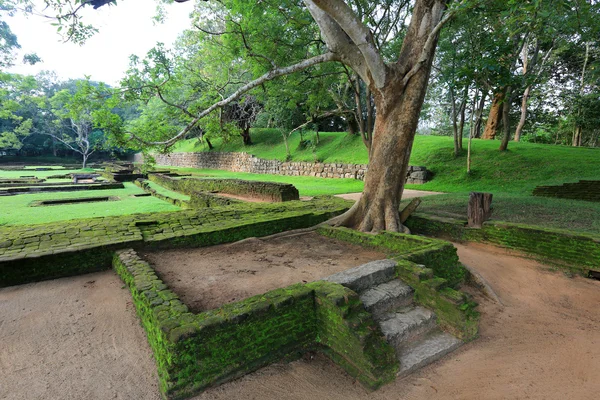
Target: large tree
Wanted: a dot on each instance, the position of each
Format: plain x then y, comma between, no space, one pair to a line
397,81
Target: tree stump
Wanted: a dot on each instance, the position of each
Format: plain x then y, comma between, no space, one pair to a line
479,209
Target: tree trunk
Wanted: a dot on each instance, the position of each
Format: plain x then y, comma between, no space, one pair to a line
210,146
495,116
398,108
523,118
461,123
85,158
577,136
479,115
454,123
479,209
506,120
246,136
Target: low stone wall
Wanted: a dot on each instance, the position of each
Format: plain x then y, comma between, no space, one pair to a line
582,190
30,253
195,351
570,250
269,191
244,162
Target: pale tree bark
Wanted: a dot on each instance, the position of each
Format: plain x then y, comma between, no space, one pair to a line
578,132
398,90
528,67
495,115
506,119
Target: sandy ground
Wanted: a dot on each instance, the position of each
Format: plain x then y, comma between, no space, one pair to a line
73,338
406,194
78,338
206,278
544,343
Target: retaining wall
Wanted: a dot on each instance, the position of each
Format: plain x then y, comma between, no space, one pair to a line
574,251
582,190
244,162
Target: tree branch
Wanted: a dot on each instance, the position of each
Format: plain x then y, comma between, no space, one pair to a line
358,32
275,73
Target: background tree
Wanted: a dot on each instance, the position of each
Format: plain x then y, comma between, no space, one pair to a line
78,114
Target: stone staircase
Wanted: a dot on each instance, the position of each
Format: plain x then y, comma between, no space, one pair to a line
412,330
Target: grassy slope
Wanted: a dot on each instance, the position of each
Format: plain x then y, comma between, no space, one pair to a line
518,170
510,175
306,185
15,210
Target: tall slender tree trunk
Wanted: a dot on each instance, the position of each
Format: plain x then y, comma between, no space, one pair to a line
495,116
454,123
506,120
479,115
523,118
578,132
461,122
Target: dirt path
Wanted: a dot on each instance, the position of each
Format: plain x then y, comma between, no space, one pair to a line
73,338
78,338
407,194
543,344
206,278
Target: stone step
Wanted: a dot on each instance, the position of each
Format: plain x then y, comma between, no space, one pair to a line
406,324
426,350
380,299
365,276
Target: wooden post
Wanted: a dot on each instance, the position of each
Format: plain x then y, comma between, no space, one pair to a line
479,209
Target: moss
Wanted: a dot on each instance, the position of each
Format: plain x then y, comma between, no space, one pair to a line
48,251
269,191
438,255
194,352
571,250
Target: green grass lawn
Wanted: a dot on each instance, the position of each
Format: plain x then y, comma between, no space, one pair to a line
582,216
166,192
306,185
42,174
16,210
511,176
518,170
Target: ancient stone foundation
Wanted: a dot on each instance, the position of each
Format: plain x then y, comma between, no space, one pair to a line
244,162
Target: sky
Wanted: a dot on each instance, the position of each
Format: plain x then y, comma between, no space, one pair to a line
125,29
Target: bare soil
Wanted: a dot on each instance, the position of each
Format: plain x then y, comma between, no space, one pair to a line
79,338
206,278
543,343
73,338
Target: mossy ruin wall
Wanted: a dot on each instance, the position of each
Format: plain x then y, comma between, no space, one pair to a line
195,351
48,251
431,267
583,190
269,191
574,251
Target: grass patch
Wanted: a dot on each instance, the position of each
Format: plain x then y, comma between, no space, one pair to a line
167,193
15,210
581,216
43,174
518,170
306,185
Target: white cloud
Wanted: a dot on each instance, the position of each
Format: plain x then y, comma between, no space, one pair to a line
125,29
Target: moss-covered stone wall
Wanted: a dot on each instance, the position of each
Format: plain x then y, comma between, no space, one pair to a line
438,255
31,253
269,191
431,267
195,351
571,250
583,190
